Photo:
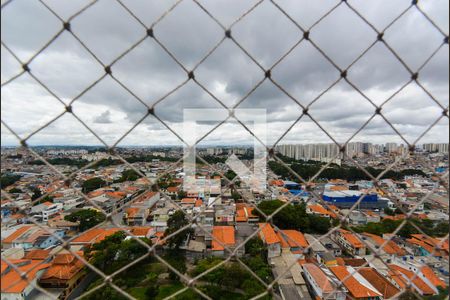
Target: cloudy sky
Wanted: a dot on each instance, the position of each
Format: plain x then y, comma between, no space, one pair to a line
149,73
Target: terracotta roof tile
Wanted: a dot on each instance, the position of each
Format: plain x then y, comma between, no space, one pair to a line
267,234
321,210
140,231
379,282
419,283
38,254
294,238
95,235
432,277
390,248
351,238
63,267
16,234
224,234
356,289
319,277
12,276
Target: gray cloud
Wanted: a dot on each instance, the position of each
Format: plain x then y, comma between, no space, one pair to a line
150,73
103,118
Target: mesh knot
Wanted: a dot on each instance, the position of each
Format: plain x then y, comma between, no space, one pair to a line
191,75
268,74
66,26
446,40
378,110
150,32
415,76
23,143
26,68
306,35
344,74
306,111
108,70
380,36
228,33
69,108
414,2
151,111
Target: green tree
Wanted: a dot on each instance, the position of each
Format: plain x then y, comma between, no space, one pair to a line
230,174
181,194
15,191
289,217
106,292
389,212
408,295
88,218
443,294
235,195
92,184
177,261
115,251
128,175
36,194
177,221
7,180
151,291
254,246
319,224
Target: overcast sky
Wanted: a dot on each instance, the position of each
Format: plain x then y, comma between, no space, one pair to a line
229,74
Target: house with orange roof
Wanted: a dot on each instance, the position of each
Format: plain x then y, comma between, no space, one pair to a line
147,199
323,284
277,182
135,216
350,242
94,235
66,272
272,241
29,236
358,286
244,213
403,276
188,203
319,210
424,245
222,236
198,205
293,240
430,277
144,231
379,281
390,248
37,254
15,287
172,190
333,208
395,218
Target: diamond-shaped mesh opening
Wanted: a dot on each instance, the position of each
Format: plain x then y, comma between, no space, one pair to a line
356,103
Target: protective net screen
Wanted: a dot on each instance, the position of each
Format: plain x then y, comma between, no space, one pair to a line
353,200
